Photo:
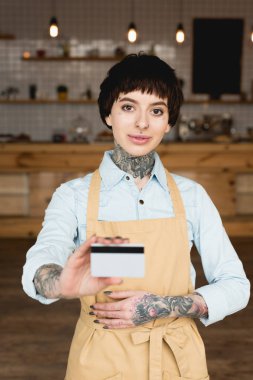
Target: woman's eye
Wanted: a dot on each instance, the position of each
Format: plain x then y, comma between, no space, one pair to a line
157,111
127,107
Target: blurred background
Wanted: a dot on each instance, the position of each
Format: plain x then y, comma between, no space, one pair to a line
38,72
53,56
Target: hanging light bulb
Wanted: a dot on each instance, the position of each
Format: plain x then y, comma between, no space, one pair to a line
251,34
132,32
180,34
53,27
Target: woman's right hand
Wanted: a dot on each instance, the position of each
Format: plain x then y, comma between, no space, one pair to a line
76,280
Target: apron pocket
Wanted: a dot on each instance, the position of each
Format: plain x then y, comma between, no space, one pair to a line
169,376
115,377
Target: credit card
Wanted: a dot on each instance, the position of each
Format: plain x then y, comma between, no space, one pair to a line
117,260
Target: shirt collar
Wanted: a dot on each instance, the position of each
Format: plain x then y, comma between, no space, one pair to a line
159,172
111,174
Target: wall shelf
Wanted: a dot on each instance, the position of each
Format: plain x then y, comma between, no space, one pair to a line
47,101
197,101
94,101
7,37
57,59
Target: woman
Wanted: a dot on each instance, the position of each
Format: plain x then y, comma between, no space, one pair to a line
138,328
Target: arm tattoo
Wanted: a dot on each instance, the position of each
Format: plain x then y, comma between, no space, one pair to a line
46,280
150,307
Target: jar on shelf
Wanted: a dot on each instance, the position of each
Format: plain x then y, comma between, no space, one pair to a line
62,92
81,130
87,94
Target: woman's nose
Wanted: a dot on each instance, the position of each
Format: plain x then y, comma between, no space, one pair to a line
142,121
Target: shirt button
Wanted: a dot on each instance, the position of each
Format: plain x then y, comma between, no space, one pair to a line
141,201
128,178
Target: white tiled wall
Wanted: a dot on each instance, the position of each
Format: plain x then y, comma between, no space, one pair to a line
102,24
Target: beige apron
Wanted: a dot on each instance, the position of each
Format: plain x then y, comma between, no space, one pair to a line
167,348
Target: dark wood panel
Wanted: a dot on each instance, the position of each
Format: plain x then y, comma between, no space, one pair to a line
35,338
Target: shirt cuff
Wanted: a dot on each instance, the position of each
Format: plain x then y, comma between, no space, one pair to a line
29,271
216,303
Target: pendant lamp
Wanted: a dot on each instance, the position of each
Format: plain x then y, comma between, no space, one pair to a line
53,27
180,33
132,34
53,23
251,34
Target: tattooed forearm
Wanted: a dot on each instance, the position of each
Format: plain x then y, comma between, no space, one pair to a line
46,280
150,307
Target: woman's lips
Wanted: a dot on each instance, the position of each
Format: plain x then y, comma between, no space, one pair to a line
140,140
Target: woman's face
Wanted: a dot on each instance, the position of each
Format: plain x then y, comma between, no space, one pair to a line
139,121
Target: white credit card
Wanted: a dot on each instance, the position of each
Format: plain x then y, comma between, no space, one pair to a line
117,260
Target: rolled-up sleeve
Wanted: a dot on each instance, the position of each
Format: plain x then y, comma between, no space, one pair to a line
55,241
228,290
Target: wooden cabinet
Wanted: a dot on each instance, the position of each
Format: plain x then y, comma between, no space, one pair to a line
14,194
30,173
220,187
244,194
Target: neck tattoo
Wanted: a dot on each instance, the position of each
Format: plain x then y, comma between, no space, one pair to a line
136,166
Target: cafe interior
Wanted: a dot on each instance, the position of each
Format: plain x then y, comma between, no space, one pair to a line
54,54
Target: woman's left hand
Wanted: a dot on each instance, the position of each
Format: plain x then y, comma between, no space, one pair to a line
134,308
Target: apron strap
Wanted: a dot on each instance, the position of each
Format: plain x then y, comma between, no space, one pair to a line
93,198
176,198
179,210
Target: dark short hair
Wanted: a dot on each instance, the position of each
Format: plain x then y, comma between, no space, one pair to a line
143,72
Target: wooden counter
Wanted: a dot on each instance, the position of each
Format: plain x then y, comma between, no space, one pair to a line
30,172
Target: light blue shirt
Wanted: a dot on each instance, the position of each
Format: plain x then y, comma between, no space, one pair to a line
64,229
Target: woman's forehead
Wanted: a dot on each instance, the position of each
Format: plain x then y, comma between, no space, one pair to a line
139,95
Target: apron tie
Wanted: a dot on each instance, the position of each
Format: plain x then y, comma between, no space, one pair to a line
173,336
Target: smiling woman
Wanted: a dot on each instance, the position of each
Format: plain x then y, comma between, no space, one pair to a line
147,321
139,122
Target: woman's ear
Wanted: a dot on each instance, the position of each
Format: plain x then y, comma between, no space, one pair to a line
168,128
108,120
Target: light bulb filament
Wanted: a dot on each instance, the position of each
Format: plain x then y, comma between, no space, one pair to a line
53,27
180,34
180,37
132,35
53,31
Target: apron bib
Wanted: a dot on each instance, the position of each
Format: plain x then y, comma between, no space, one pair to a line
166,348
